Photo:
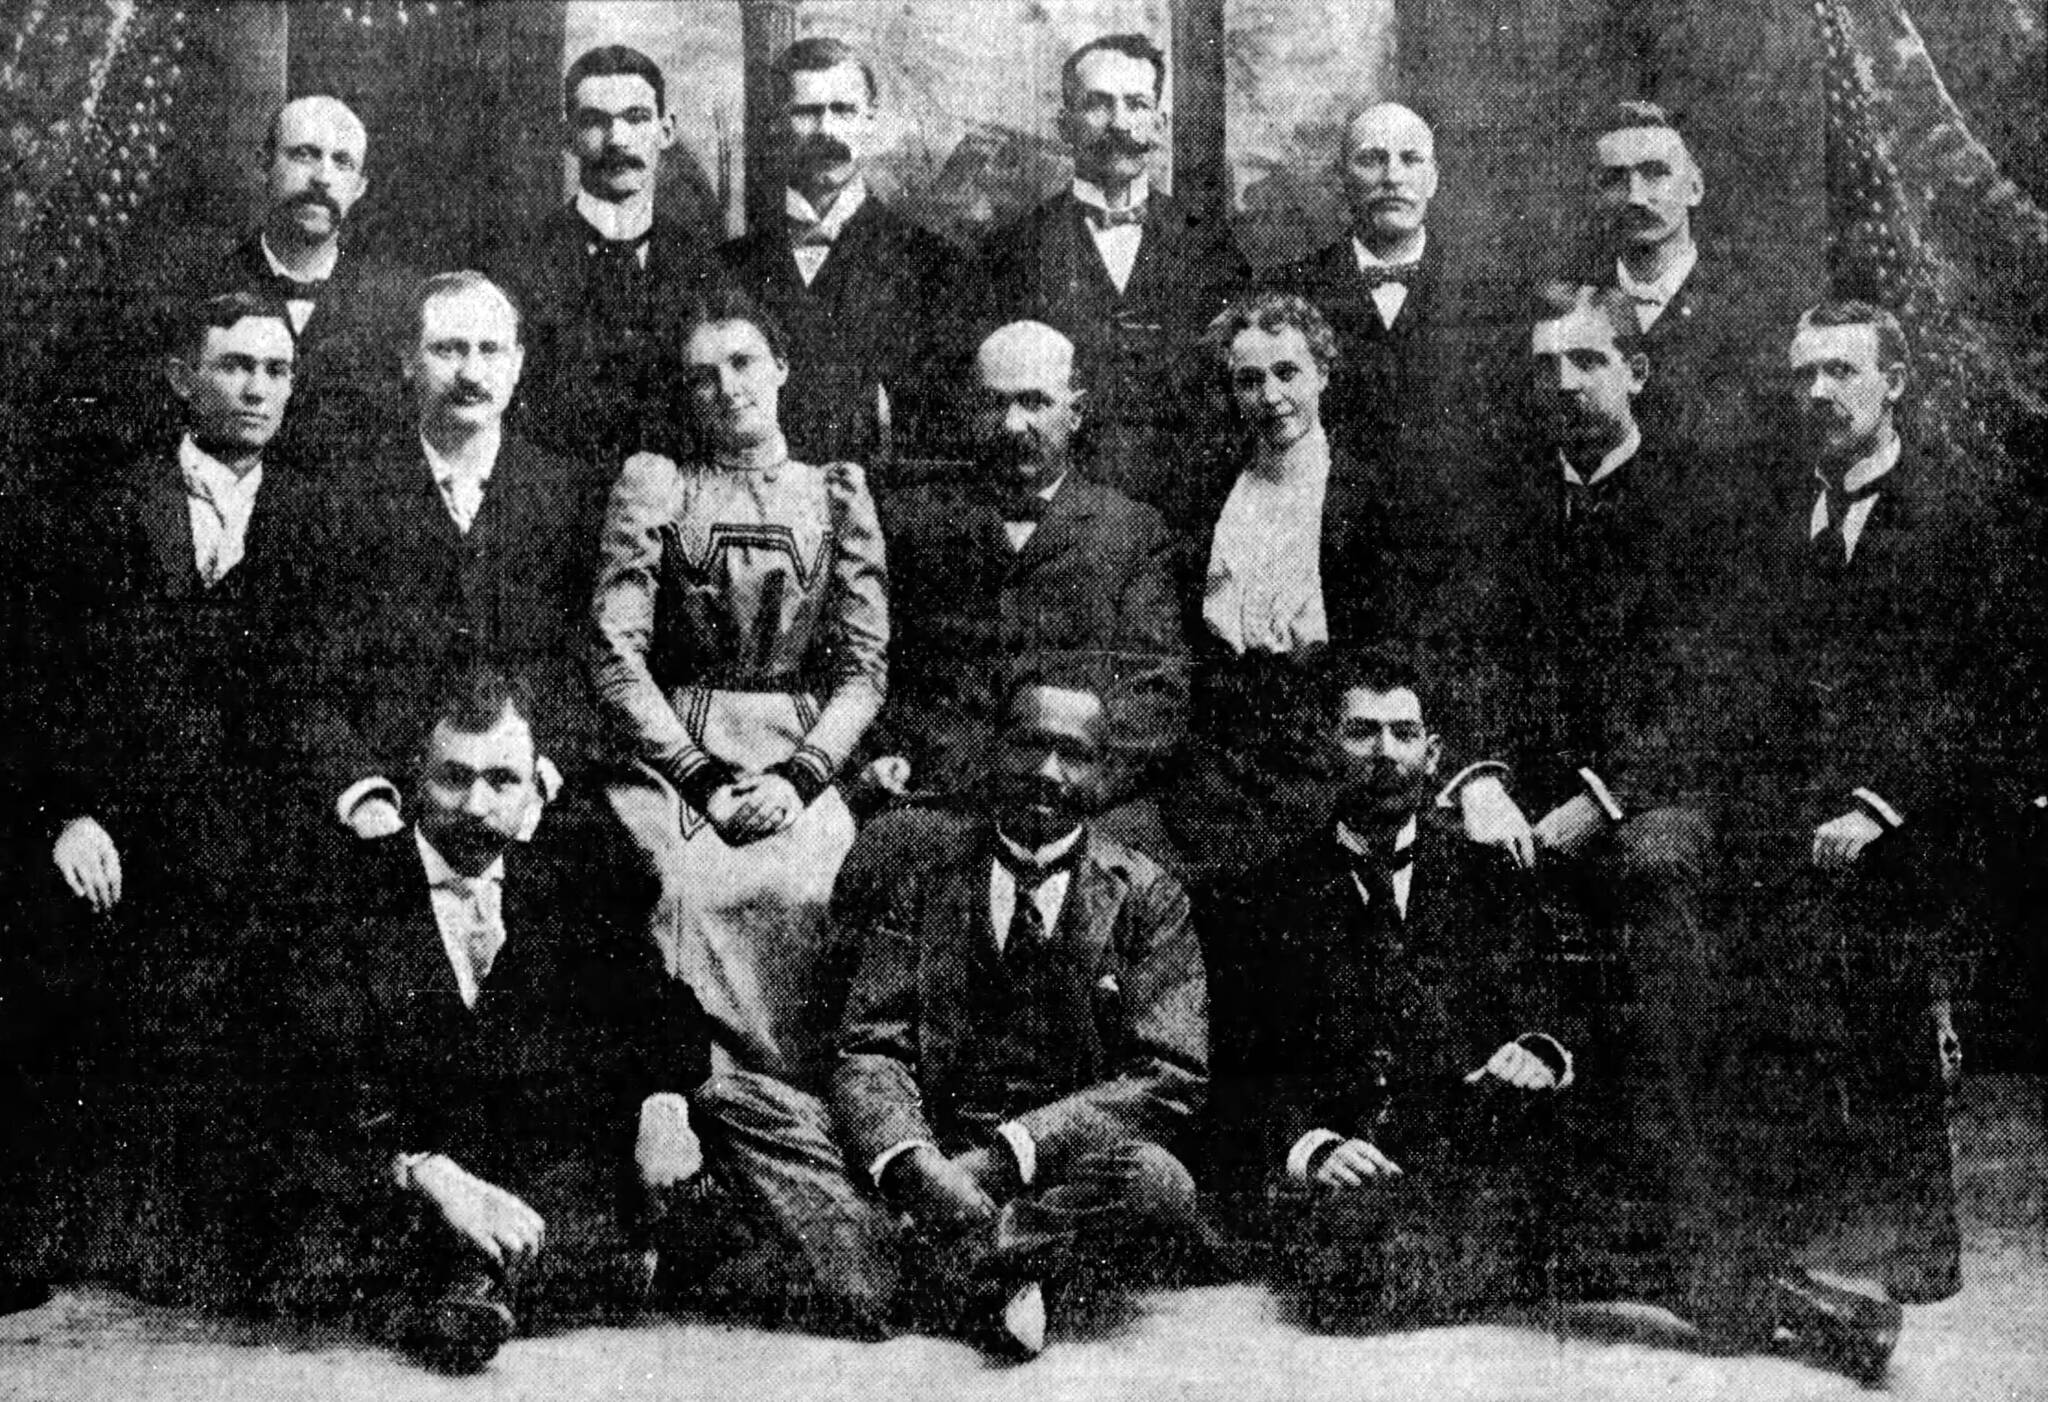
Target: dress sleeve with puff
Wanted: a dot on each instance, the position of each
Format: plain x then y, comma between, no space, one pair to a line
850,655
643,502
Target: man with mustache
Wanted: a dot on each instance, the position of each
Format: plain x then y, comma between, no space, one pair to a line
464,1018
151,668
1384,291
1025,1046
465,541
1127,274
604,281
1028,559
1405,1105
1881,633
345,301
1698,310
867,298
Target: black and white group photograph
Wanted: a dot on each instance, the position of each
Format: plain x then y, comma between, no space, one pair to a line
1217,700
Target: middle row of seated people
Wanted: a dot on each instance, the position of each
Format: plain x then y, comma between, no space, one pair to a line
744,625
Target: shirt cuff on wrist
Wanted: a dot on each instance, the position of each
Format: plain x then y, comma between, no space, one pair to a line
1024,1147
1878,808
1302,1157
361,791
881,1161
1447,796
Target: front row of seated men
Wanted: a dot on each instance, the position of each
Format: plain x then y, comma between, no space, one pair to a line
1022,1062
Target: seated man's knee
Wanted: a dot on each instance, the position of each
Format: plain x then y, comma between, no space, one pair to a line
1156,1184
1666,845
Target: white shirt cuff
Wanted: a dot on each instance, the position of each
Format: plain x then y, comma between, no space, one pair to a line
1563,1051
376,786
403,1166
1024,1147
1305,1149
1447,796
1879,809
1601,795
894,1152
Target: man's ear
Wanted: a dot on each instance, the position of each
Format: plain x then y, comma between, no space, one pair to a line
178,370
669,130
1894,382
1639,370
1432,755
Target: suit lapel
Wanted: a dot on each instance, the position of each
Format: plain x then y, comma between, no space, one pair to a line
1061,529
167,521
1089,915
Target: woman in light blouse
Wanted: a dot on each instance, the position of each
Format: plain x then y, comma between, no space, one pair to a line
1289,557
741,630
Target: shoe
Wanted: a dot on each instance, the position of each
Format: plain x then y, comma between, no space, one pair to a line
1828,1326
18,1294
456,1333
1014,1330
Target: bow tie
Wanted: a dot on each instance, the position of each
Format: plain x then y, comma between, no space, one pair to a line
290,289
1114,218
1030,508
618,250
1385,274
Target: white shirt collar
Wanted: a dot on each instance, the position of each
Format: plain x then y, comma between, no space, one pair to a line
1661,290
1369,259
322,269
444,468
1616,458
1045,855
615,223
1089,193
1403,840
1868,470
219,480
834,220
439,873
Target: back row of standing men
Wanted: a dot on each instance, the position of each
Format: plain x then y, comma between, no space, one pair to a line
1608,582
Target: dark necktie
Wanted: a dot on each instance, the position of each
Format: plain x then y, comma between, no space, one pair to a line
1028,507
1381,274
617,257
1027,925
1376,871
805,233
1832,543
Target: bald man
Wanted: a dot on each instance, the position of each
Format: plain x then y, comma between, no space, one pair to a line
1025,559
1387,289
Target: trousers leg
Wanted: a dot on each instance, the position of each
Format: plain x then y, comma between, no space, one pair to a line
772,1145
1110,1212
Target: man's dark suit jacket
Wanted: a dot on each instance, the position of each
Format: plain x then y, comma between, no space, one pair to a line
1718,346
165,700
1135,347
1132,958
882,313
1594,612
602,377
412,597
1095,580
1874,673
1327,1018
576,1024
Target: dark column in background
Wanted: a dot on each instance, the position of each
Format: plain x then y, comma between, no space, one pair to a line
767,28
463,103
1201,179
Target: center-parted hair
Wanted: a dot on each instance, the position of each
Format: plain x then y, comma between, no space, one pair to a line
820,53
614,61
186,333
1135,46
717,302
1270,312
451,284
